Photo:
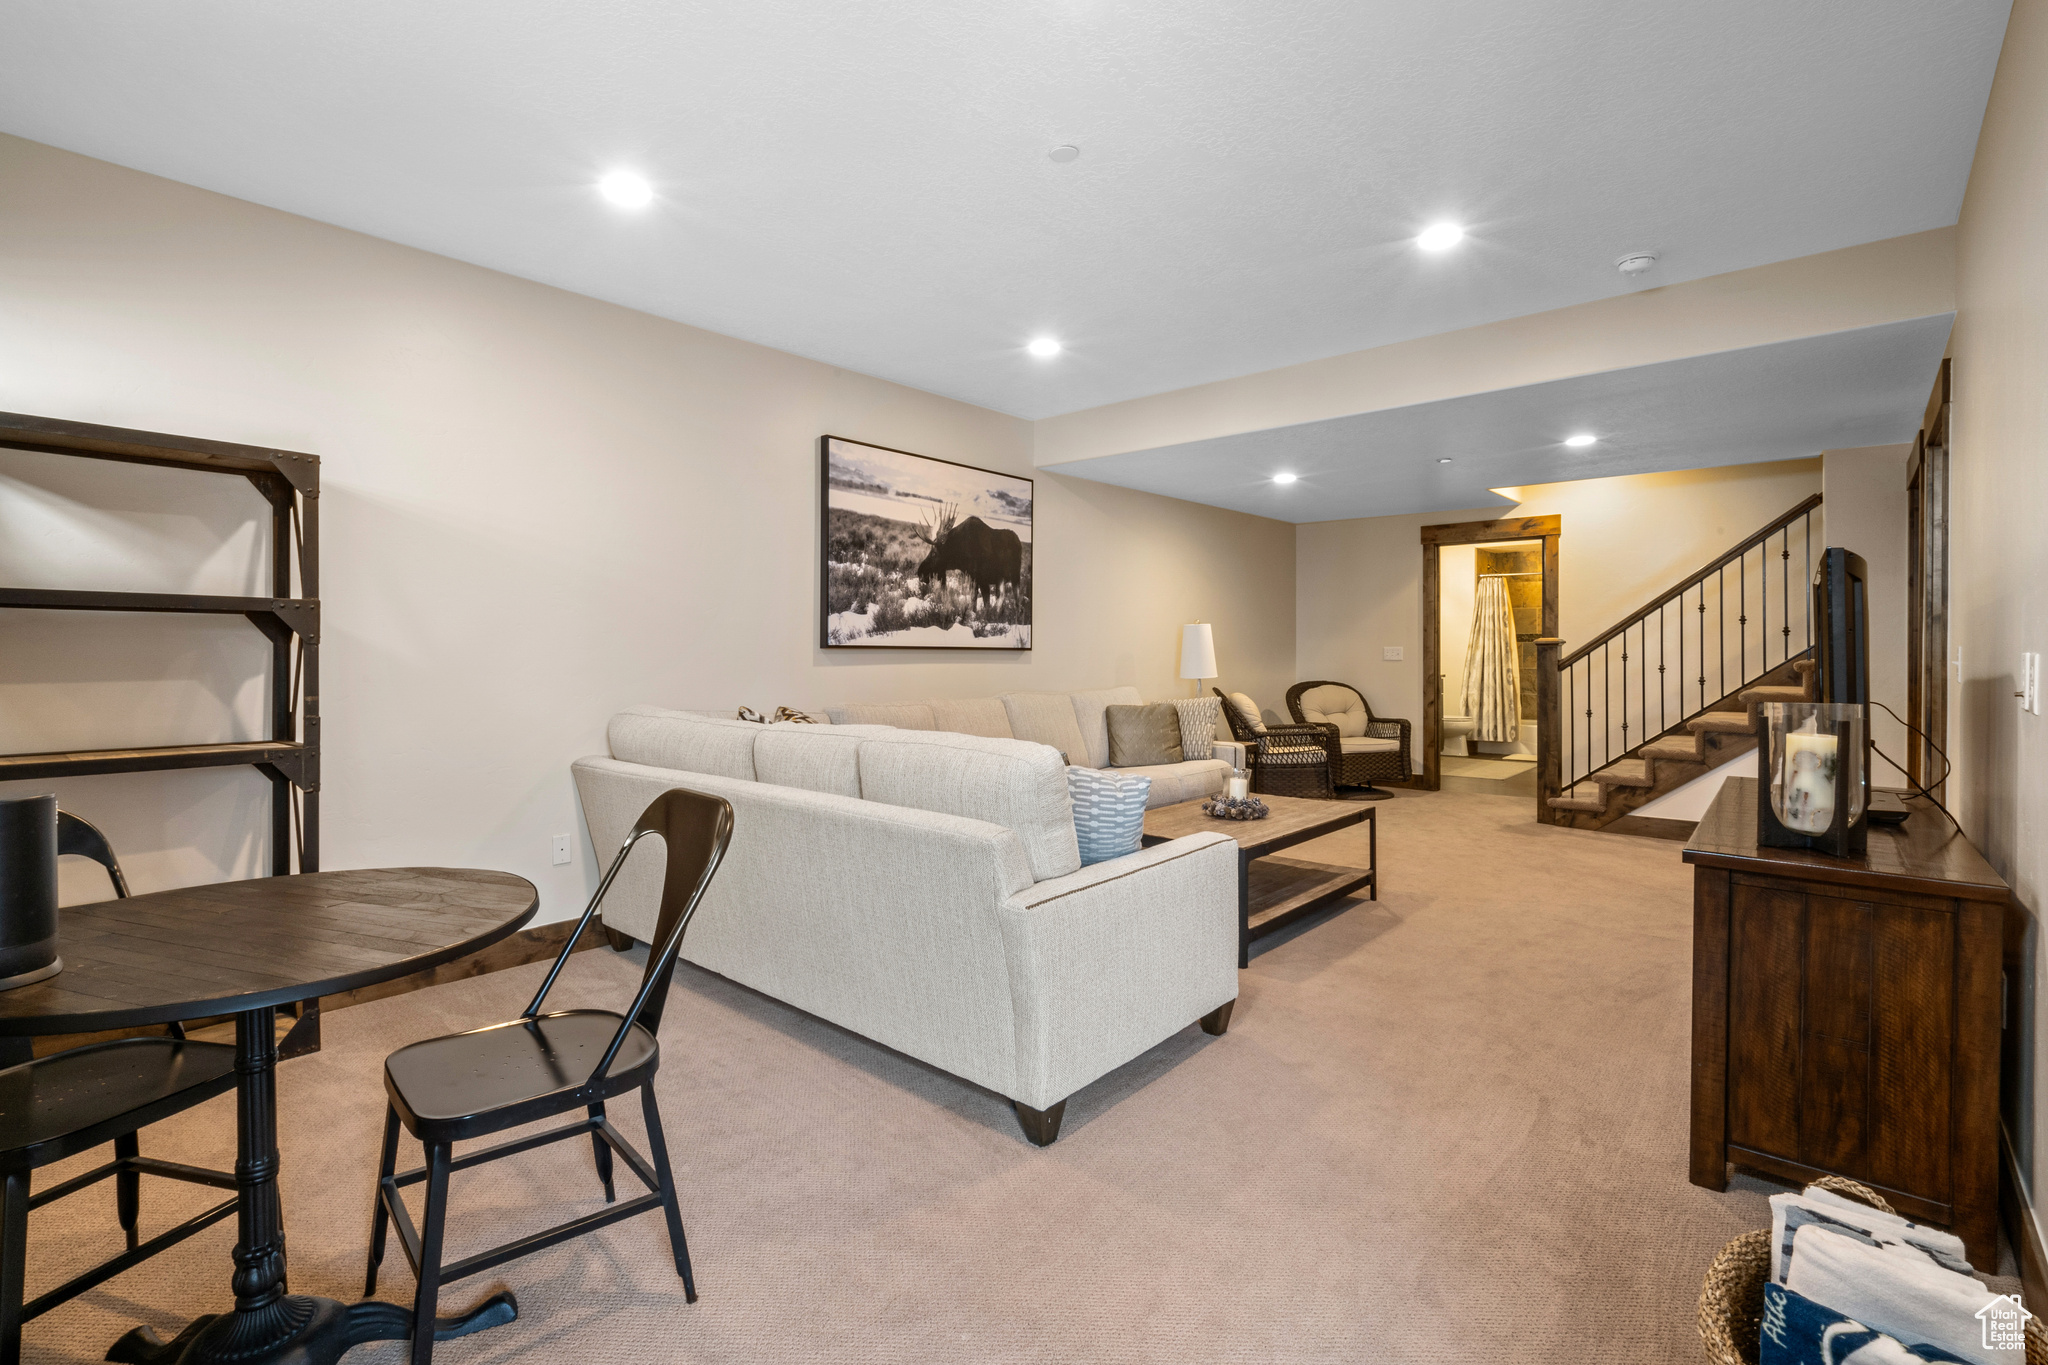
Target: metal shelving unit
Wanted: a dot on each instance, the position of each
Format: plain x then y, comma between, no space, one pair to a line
290,482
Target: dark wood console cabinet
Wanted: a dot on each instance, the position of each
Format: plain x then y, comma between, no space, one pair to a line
1846,1014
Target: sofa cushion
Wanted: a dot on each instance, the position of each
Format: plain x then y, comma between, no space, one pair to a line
1006,782
1142,736
1173,783
1048,718
1109,813
1198,716
984,716
1335,704
817,758
907,715
1094,728
687,743
1360,744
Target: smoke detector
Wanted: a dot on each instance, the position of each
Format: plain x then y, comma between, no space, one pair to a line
1636,262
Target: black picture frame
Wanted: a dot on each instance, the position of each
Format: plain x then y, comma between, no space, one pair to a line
878,584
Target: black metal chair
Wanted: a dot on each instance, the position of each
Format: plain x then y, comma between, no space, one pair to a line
55,1107
470,1085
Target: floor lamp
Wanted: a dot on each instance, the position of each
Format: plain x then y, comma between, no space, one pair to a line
1197,653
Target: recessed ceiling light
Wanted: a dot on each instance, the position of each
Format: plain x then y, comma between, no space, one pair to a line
1285,478
1443,459
1580,440
626,189
1440,237
1045,348
1064,153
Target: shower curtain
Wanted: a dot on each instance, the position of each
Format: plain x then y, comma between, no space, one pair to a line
1493,670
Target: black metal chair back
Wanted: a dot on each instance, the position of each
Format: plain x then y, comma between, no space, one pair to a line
79,836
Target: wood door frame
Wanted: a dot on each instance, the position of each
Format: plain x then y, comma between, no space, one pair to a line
1545,529
1927,636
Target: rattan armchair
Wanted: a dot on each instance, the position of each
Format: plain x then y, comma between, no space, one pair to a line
1348,711
1285,760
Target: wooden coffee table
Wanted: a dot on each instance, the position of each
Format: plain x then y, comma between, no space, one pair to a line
1273,893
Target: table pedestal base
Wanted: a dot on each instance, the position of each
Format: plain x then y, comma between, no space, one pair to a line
298,1330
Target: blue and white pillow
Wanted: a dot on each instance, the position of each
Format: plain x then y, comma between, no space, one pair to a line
1109,812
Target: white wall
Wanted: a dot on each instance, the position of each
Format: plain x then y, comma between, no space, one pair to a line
1999,497
1360,582
537,509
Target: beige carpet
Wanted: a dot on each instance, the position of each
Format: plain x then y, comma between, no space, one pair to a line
1449,1126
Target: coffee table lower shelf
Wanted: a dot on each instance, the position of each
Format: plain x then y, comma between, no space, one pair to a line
1283,891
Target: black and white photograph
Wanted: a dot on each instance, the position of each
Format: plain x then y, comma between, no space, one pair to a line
921,553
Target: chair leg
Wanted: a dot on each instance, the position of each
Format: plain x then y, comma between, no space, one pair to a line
427,1298
13,1258
670,1209
603,1150
380,1217
128,1186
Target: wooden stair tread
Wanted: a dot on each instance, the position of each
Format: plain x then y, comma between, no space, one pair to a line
1587,803
1722,722
1674,748
1757,694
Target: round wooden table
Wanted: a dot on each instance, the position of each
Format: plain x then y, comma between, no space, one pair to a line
244,948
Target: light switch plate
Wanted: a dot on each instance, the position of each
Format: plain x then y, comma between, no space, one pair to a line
1392,654
561,849
2030,683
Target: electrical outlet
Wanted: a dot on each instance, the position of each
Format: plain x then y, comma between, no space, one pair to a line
2030,684
1392,654
561,849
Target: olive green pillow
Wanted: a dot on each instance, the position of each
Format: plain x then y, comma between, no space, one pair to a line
1143,736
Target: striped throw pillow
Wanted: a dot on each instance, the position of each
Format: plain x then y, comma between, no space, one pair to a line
1109,812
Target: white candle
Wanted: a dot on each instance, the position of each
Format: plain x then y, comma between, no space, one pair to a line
1809,782
1238,786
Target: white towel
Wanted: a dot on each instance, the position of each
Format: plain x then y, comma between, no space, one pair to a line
1819,1205
1896,1290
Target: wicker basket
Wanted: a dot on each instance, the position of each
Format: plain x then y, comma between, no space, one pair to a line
1732,1296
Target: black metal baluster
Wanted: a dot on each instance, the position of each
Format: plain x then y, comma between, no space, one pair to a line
1807,535
1742,620
1663,723
1721,627
1703,644
1785,586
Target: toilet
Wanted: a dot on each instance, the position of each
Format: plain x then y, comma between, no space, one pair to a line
1455,731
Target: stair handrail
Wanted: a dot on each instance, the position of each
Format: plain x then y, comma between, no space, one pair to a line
1742,547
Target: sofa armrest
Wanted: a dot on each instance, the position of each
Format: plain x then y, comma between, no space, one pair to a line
1231,752
1110,960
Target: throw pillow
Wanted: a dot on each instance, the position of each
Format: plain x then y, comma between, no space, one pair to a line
1143,736
1198,716
1109,813
1248,711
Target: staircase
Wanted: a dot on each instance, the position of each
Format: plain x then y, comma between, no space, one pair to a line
1706,741
1670,692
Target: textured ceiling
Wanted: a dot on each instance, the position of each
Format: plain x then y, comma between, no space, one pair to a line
1785,401
868,184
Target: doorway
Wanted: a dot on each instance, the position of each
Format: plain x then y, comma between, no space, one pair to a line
1489,610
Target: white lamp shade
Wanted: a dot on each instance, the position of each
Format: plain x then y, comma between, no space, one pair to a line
1197,651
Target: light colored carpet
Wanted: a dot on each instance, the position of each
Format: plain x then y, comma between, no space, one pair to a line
1448,1126
1463,765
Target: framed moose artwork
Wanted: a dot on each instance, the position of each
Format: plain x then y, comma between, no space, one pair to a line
921,553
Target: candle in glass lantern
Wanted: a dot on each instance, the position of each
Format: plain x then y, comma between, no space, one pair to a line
1240,784
1809,782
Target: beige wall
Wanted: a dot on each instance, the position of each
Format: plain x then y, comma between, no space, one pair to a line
1860,286
1360,582
1999,488
1866,506
538,508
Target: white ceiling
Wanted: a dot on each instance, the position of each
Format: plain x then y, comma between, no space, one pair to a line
1785,401
868,184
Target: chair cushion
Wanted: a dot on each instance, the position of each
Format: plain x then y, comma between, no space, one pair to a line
686,743
1368,745
1109,812
1289,753
467,1080
1338,705
1088,716
1006,782
1048,718
1143,736
74,1100
982,716
1198,716
1248,712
